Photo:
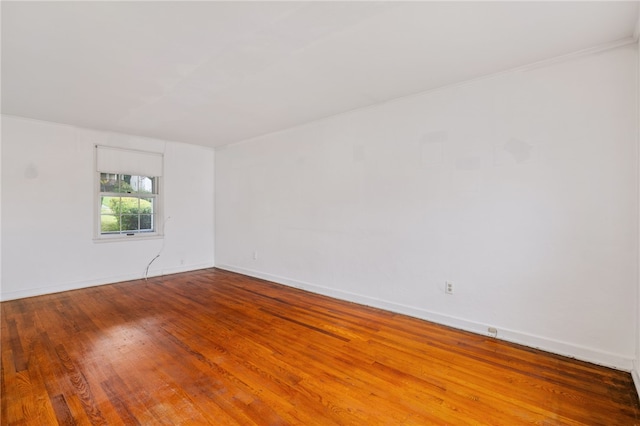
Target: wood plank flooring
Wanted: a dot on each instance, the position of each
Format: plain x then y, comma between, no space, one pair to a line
214,347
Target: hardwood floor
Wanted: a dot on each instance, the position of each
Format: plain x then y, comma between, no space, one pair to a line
214,347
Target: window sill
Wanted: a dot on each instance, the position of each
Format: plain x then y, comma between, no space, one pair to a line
123,238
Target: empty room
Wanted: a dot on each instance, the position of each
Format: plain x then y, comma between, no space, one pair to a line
320,213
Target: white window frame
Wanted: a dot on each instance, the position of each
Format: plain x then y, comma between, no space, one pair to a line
135,155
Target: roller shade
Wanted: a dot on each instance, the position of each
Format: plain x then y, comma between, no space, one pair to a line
128,162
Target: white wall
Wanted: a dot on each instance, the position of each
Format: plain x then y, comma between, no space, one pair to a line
636,367
520,188
47,218
0,206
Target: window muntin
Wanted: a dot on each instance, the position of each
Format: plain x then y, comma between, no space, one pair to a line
128,204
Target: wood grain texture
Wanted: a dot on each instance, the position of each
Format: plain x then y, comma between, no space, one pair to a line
215,347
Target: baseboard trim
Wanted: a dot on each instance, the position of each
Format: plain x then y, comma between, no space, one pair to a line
582,353
58,288
635,375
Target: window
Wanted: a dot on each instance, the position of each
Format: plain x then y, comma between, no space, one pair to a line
127,204
128,196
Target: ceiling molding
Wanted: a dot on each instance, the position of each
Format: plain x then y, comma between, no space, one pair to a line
583,52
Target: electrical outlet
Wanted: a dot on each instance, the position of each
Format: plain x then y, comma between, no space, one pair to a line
255,255
448,287
493,332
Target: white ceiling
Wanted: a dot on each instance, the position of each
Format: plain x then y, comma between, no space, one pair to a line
213,73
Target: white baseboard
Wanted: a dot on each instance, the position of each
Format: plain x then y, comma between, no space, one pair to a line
60,287
591,355
635,374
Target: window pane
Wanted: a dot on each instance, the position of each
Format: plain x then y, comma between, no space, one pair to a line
125,184
109,224
142,184
129,222
109,205
147,184
146,205
134,183
129,205
146,222
108,182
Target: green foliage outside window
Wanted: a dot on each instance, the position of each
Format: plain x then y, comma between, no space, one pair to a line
126,213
